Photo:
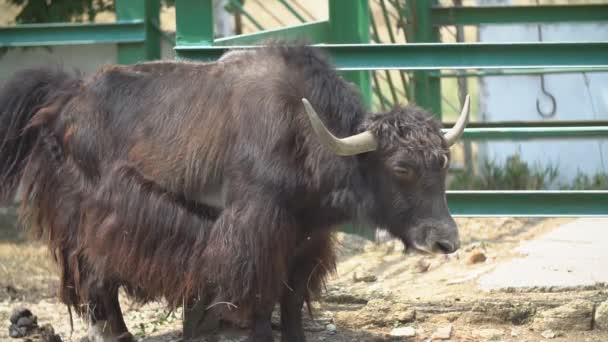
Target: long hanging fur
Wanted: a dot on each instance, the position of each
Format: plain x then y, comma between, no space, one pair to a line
24,95
115,212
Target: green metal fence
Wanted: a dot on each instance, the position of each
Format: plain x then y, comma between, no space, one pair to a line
136,32
429,61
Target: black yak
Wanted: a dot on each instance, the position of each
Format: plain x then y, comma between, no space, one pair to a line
214,183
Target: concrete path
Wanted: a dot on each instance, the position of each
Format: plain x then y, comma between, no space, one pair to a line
575,254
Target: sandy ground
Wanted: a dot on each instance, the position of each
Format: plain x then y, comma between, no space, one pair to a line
378,287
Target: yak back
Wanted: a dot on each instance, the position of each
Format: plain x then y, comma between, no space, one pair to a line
187,126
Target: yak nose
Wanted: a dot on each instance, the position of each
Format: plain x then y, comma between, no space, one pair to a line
446,246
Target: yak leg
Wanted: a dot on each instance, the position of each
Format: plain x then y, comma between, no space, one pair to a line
247,257
199,319
261,326
308,269
106,321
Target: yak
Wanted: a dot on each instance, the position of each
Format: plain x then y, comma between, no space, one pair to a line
214,182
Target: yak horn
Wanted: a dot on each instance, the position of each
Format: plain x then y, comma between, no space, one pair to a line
453,134
356,144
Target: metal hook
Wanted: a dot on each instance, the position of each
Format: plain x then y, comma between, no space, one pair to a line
551,112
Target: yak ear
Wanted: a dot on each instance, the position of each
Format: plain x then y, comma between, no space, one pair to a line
355,144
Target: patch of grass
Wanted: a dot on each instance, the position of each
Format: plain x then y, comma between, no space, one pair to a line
515,174
583,181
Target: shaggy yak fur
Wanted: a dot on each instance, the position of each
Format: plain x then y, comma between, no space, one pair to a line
205,182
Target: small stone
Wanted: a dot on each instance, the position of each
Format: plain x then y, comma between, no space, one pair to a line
601,316
322,338
514,333
406,316
443,333
422,265
548,334
403,332
476,256
331,328
489,334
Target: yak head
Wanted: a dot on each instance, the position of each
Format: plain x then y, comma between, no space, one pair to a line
405,157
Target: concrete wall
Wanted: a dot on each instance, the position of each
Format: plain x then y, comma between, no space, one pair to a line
86,58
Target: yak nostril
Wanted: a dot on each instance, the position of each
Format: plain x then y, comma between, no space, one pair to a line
444,246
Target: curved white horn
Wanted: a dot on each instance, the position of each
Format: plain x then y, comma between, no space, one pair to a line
355,144
453,134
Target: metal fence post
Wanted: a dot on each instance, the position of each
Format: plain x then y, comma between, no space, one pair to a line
194,22
149,12
350,23
427,89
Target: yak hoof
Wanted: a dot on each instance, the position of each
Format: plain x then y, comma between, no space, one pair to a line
101,332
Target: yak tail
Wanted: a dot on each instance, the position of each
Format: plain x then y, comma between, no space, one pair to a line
21,97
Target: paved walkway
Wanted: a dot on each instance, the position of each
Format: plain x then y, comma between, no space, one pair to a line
575,254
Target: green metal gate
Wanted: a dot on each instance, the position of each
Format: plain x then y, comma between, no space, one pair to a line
345,36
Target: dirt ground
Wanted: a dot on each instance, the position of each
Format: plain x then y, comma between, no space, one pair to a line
378,287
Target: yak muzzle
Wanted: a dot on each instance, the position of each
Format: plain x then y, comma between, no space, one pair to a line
436,237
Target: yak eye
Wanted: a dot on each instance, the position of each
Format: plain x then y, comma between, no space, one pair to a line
404,172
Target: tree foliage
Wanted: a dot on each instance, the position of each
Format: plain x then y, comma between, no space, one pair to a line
48,11
45,11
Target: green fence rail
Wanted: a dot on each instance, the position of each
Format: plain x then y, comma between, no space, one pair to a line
441,56
136,32
518,14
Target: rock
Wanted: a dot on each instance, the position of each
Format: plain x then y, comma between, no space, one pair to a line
443,333
384,313
403,332
331,328
489,334
548,334
25,322
514,333
364,277
339,296
18,313
422,265
476,256
576,315
601,316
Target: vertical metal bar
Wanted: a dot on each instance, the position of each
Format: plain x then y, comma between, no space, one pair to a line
292,11
194,22
149,12
427,90
349,20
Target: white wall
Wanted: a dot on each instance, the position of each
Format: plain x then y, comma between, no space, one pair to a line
578,97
